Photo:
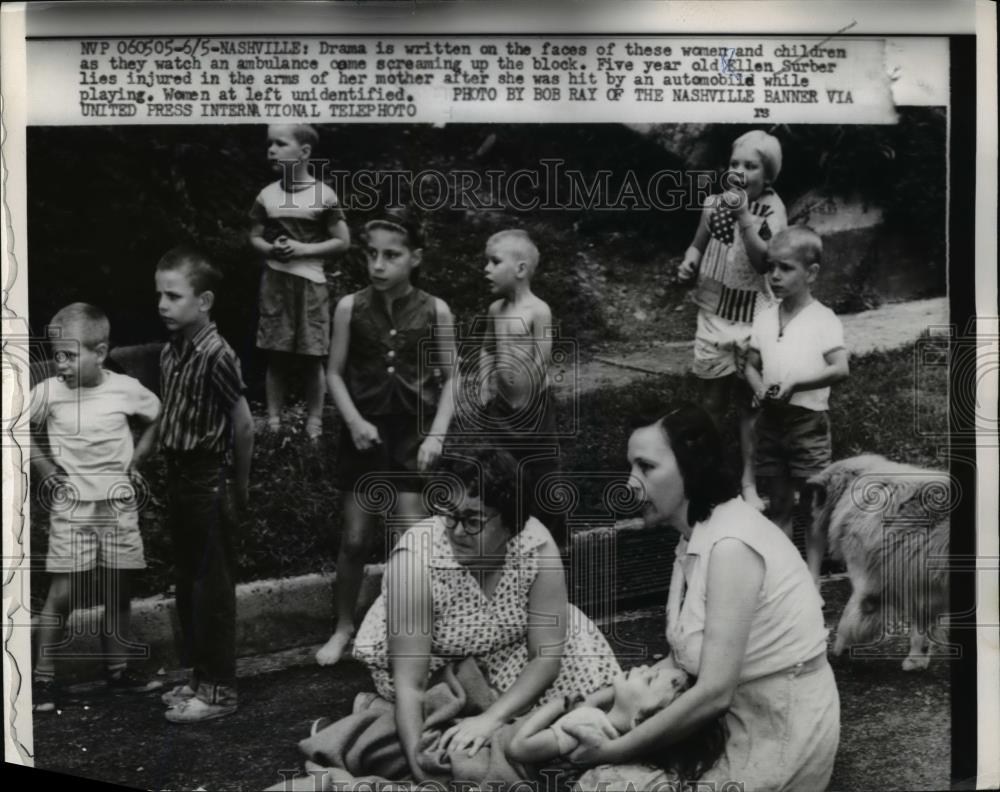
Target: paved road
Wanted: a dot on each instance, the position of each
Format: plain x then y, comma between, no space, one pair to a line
888,327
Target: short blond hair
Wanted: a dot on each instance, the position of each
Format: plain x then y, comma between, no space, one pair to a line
521,243
91,322
803,240
768,148
303,133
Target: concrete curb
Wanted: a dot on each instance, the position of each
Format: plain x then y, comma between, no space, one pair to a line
271,616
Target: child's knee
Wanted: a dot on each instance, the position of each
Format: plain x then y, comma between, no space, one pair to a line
714,395
355,546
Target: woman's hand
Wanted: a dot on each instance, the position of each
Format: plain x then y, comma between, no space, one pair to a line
594,747
472,733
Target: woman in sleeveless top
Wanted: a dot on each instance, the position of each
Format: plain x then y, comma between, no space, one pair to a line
743,617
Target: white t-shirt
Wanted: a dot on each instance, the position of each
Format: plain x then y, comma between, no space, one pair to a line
799,351
302,215
88,429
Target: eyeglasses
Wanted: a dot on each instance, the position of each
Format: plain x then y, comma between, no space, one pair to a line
473,523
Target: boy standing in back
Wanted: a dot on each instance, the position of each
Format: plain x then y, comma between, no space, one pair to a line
796,353
514,363
297,226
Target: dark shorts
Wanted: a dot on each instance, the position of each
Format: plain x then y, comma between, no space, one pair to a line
530,434
294,314
395,457
535,422
792,441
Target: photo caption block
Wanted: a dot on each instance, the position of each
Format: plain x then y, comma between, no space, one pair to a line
191,80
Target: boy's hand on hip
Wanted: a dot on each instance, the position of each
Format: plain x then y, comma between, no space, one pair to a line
137,462
364,435
429,453
55,486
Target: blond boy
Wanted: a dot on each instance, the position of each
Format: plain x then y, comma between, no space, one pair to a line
514,362
85,411
796,353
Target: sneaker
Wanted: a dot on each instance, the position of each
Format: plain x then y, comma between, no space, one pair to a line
194,710
128,680
177,695
46,695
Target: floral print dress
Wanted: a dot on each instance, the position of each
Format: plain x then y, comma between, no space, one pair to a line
493,629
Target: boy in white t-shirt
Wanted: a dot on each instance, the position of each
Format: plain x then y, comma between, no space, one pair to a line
796,353
298,226
85,478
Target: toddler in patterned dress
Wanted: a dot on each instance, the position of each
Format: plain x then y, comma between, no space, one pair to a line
728,254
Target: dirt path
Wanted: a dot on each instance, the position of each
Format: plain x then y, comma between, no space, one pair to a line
887,327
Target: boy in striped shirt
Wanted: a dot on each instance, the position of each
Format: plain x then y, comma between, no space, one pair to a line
205,427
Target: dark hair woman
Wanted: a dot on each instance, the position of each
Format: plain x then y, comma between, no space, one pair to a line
743,617
478,579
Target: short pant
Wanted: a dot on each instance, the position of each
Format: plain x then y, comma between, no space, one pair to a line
534,422
529,433
792,441
84,534
395,456
720,346
294,314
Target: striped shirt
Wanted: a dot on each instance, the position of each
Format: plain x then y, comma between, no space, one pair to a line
200,383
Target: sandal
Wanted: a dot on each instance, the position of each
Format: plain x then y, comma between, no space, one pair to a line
318,725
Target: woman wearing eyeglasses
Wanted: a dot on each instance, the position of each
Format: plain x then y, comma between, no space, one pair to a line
479,580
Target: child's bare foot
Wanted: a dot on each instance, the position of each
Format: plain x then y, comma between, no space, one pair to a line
752,498
333,650
274,424
314,428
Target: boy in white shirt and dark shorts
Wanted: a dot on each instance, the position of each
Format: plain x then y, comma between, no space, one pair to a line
796,353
